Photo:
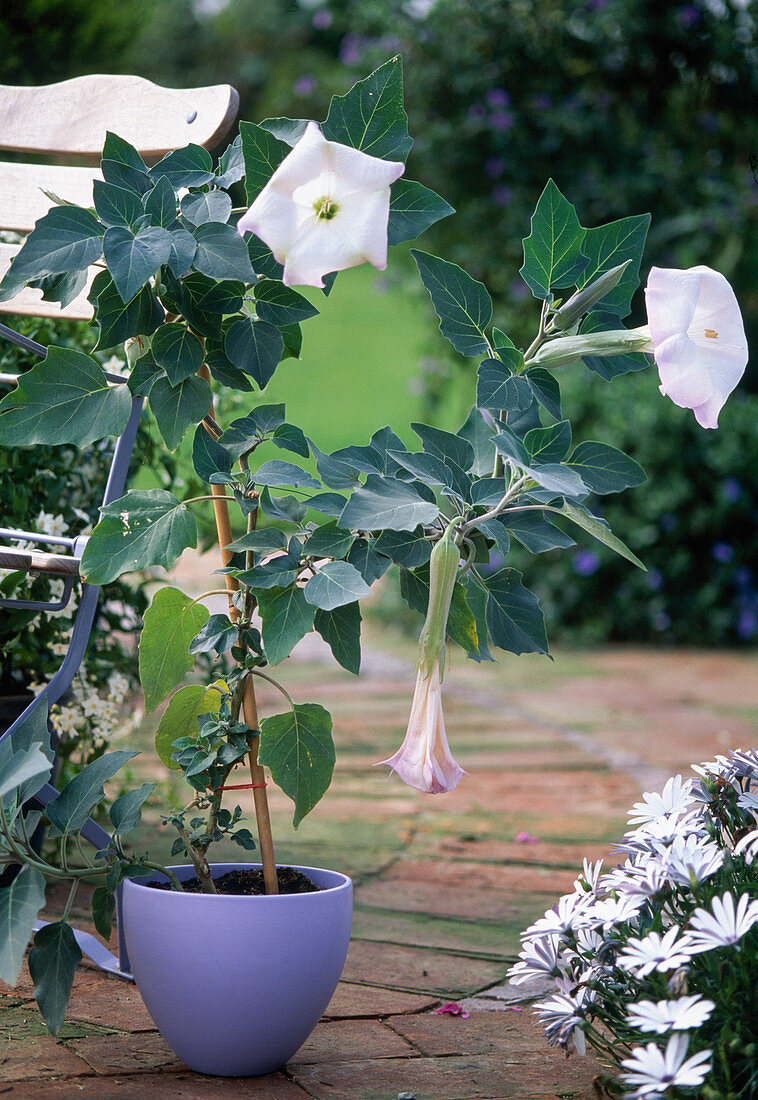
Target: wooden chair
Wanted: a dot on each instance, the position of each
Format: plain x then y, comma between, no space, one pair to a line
63,127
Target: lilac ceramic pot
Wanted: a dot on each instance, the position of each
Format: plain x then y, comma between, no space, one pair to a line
235,985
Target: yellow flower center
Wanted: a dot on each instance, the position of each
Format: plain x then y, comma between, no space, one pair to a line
325,208
711,334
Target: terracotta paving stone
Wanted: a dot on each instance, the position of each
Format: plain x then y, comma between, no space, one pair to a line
414,969
422,897
111,1002
114,1054
421,930
541,852
34,1057
478,876
347,1040
351,1000
170,1086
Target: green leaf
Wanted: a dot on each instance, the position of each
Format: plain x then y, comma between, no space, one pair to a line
145,527
514,616
118,151
604,469
288,130
175,408
335,584
221,253
371,117
413,208
118,321
287,509
535,531
298,748
24,766
552,251
160,205
370,564
478,434
206,206
550,444
598,529
231,166
191,166
545,388
177,350
553,476
280,305
289,437
407,548
499,389
262,153
611,245
280,572
116,205
70,810
383,502
63,399
52,964
144,374
445,445
208,456
255,347
287,617
133,259
341,630
20,902
219,633
61,288
179,719
328,541
183,252
103,910
462,304
65,239
171,622
261,542
126,812
275,473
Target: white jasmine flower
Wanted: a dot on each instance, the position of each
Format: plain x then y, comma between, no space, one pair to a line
48,524
652,1071
698,338
724,925
655,952
118,686
325,208
538,958
683,1014
675,798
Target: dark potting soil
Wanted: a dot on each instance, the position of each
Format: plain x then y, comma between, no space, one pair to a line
249,882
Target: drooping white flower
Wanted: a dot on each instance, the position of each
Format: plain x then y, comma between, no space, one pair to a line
562,1015
568,914
651,1071
698,338
683,1014
424,760
724,925
538,958
655,952
325,208
747,847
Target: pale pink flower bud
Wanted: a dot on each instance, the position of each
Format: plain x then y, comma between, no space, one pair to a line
326,208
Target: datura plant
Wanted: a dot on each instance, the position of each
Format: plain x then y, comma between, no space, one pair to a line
202,294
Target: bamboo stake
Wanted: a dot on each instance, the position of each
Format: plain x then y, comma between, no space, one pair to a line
249,705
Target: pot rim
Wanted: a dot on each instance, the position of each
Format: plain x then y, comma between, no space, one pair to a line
345,883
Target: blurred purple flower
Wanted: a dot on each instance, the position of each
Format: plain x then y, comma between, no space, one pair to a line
351,49
526,838
542,101
322,19
747,623
743,577
502,121
498,97
494,167
688,16
585,562
661,621
668,521
709,122
305,85
731,489
502,195
722,552
654,579
519,290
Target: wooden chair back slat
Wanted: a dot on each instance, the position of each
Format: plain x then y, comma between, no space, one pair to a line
23,185
71,118
69,121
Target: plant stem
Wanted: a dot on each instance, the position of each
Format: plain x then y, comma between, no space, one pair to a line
214,496
277,685
513,491
70,900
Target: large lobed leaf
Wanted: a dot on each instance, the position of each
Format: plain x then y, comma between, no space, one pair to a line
298,748
462,304
171,622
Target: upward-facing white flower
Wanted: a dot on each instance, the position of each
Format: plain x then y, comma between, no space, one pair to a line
325,208
653,1071
655,952
698,338
683,1014
675,798
724,925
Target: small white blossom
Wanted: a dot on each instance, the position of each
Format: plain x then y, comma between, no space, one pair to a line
538,958
691,859
590,876
674,799
683,1014
568,914
655,952
652,1071
724,925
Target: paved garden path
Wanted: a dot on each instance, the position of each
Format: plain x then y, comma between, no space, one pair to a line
443,887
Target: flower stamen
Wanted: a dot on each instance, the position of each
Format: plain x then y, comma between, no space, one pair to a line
711,334
326,208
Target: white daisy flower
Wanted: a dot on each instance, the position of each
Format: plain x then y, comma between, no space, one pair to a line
652,1071
643,881
612,911
655,952
562,1014
538,958
689,858
568,914
683,1014
590,876
724,925
674,799
747,847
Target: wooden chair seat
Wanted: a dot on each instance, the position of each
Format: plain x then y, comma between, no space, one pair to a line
67,122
